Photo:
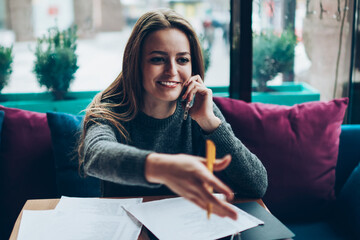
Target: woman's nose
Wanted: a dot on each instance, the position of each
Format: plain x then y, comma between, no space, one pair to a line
171,68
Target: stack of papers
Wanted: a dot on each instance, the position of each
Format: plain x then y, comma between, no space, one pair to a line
81,218
94,218
177,218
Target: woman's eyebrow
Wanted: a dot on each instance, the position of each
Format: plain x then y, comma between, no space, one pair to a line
158,52
165,53
183,53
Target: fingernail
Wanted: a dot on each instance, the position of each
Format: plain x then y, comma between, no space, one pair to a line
230,197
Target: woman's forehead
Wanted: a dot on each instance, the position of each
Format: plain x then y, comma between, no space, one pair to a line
167,40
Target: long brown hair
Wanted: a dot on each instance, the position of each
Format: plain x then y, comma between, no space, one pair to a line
126,91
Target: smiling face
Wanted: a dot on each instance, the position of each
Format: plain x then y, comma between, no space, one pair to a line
166,65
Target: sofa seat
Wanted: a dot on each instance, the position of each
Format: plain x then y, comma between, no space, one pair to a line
319,230
310,157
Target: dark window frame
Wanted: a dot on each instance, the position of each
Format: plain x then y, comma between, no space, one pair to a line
240,50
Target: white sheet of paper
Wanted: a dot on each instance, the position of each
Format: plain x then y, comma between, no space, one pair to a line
100,206
81,218
178,218
50,224
33,224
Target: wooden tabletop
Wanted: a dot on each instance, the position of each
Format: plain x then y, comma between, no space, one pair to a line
48,204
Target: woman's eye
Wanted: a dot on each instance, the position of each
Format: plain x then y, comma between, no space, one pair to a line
183,60
157,60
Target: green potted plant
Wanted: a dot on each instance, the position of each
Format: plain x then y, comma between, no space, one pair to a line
6,59
56,60
206,51
272,54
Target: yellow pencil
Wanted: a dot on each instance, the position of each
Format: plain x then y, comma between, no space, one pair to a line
210,160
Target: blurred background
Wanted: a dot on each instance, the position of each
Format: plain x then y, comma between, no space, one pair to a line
252,46
103,30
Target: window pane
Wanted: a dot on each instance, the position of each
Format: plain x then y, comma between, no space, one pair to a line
2,15
301,47
103,30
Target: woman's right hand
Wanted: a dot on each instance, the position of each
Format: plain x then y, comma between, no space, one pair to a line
187,176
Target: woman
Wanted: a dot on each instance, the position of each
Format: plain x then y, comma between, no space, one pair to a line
136,138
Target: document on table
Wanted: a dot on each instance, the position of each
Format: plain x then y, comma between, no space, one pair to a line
101,206
81,218
178,218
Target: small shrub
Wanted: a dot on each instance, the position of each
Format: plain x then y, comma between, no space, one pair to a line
206,52
56,61
272,54
6,59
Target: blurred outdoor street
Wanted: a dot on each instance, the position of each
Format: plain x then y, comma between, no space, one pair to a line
100,61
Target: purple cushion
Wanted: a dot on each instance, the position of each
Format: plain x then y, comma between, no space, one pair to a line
298,145
26,163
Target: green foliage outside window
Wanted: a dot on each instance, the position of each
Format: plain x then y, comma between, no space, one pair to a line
6,59
206,52
272,54
56,61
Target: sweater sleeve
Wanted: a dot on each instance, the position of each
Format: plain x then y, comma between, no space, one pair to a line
107,159
246,175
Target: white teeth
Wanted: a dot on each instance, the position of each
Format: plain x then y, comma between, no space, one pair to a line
168,83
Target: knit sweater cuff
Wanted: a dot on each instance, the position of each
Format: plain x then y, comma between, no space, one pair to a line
138,166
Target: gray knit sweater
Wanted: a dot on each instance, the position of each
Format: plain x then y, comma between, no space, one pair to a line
121,165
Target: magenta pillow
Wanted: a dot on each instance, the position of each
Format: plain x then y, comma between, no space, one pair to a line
26,163
298,145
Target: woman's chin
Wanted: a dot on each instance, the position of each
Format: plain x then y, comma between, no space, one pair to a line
171,98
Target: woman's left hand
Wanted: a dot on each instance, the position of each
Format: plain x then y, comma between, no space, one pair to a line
202,109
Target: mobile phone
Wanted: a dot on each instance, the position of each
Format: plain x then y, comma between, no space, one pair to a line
188,105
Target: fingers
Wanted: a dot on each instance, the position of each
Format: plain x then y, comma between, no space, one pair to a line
220,187
220,207
224,209
195,78
207,178
191,180
213,181
200,97
194,85
221,164
202,197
